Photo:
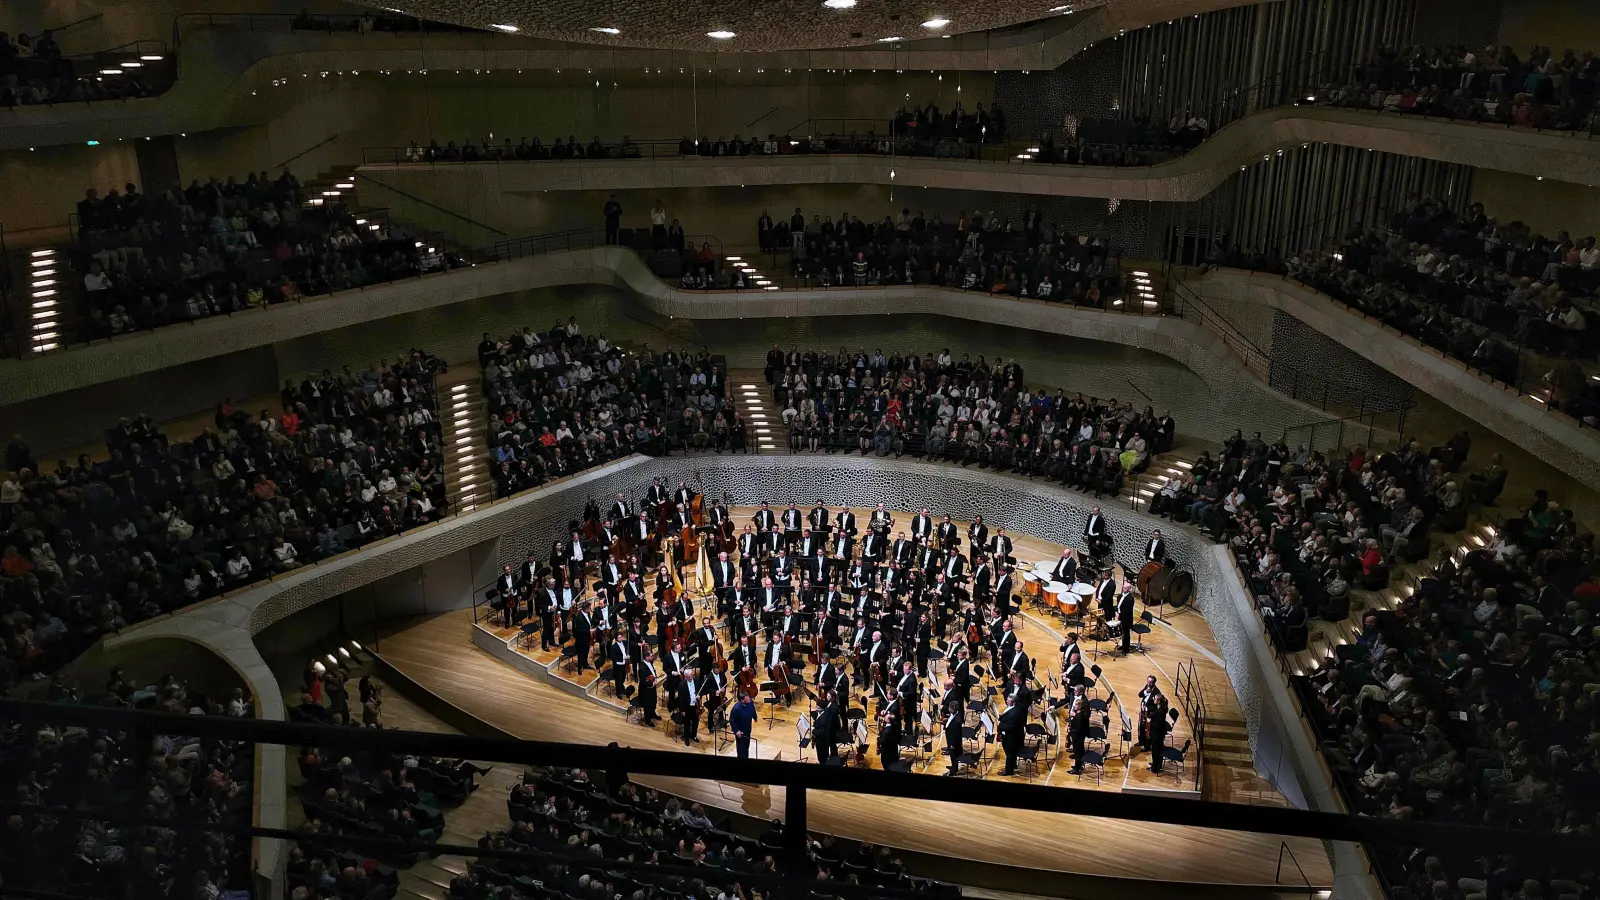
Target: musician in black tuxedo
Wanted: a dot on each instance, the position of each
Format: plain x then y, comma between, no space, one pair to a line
764,519
582,627
889,741
1078,727
656,495
846,521
817,566
1155,549
947,535
639,531
954,719
960,677
1125,619
818,518
621,662
954,568
873,547
1074,673
546,601
1013,729
903,550
684,495
811,542
792,521
723,575
841,547
1066,570
1018,662
1002,592
921,525
782,568
1097,533
1000,547
1160,724
505,584
977,536
622,510
646,676
688,703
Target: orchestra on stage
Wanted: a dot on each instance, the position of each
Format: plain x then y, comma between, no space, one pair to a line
912,627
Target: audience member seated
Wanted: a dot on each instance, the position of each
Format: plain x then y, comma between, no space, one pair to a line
1306,529
1478,290
561,402
34,71
223,247
198,789
962,411
563,812
1488,85
989,254
1471,702
159,525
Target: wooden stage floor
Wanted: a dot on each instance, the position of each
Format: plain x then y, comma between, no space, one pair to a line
437,653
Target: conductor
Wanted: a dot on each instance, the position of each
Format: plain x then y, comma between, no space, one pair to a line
953,721
825,733
1125,619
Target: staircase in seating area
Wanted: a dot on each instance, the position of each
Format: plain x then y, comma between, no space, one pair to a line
337,183
1139,490
763,421
464,424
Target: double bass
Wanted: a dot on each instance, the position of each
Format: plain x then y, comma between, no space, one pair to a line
746,680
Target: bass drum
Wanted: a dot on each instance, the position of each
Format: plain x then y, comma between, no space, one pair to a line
1171,586
1146,577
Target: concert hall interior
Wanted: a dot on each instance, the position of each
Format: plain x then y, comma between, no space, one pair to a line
799,450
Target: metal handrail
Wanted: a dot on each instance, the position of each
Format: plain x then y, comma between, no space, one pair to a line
410,196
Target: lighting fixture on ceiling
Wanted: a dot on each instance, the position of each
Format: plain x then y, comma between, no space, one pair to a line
606,30
508,29
838,4
721,35
936,23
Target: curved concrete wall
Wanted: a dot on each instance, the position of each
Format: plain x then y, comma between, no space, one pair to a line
532,520
1524,422
480,186
1236,397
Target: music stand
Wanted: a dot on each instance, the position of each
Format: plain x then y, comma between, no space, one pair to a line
767,687
803,732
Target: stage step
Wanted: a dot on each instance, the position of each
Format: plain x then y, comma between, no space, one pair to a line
763,420
465,428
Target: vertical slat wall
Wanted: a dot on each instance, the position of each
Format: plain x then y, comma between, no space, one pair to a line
1308,197
1225,64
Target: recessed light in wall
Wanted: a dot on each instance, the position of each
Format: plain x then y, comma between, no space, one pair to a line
838,4
152,57
721,35
606,30
508,29
889,40
936,23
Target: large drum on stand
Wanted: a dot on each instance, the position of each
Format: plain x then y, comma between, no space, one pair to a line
1165,584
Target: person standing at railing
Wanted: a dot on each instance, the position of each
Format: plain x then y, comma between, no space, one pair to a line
658,226
613,215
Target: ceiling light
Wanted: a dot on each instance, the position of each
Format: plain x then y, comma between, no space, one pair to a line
838,4
936,23
508,29
721,35
151,57
606,30
890,40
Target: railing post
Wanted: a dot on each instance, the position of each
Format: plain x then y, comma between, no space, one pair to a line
794,819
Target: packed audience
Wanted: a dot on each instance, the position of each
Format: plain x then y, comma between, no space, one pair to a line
1307,529
80,781
1472,702
97,545
226,246
962,411
34,71
1493,84
1480,290
396,796
563,811
561,402
976,252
